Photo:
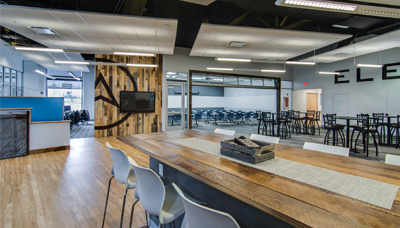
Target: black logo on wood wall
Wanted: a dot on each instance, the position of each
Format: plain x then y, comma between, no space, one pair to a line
111,100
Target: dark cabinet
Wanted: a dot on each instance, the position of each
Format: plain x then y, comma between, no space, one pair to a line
14,133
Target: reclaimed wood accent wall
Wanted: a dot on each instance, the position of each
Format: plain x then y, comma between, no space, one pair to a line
110,80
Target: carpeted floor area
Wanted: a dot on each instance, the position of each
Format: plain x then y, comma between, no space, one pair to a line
85,130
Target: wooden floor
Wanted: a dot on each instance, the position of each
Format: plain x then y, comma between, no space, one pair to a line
66,188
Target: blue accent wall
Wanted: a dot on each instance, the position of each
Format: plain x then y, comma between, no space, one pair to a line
43,108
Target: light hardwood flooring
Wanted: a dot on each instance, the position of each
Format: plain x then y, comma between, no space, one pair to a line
66,188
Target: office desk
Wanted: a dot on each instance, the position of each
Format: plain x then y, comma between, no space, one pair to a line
292,202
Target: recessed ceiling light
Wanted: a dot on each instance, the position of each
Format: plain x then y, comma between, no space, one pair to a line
41,30
236,44
133,53
233,60
38,49
213,68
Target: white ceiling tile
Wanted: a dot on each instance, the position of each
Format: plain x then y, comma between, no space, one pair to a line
260,43
92,31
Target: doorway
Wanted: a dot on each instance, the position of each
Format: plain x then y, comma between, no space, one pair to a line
312,101
177,108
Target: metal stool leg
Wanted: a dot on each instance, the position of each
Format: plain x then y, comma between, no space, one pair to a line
133,207
105,208
123,208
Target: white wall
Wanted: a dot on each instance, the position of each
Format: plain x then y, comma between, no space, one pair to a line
300,99
88,91
34,83
354,97
235,99
250,99
9,57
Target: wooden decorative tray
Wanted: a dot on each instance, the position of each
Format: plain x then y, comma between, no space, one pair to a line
263,152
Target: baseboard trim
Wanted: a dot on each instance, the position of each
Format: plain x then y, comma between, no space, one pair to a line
51,149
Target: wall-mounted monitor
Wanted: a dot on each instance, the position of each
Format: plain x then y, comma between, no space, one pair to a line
131,101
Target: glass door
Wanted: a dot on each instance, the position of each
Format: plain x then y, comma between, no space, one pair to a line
177,106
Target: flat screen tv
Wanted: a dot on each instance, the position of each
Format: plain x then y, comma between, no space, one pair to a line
131,101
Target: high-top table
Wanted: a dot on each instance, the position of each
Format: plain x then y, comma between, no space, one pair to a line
275,197
347,118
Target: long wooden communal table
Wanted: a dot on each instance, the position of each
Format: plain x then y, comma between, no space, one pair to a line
295,203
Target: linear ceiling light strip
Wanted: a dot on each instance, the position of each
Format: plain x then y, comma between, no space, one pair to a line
341,7
233,60
224,69
133,53
274,71
82,51
38,49
317,4
73,75
369,65
327,72
300,63
44,74
141,65
72,62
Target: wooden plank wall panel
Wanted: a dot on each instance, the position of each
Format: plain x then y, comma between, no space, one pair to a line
110,80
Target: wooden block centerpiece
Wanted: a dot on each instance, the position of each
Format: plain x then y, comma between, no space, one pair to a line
247,150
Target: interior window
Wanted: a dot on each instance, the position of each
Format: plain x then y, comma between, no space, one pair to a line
70,90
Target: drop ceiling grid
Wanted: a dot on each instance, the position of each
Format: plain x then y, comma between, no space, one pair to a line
90,31
212,41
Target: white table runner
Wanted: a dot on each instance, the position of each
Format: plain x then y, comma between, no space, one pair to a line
360,188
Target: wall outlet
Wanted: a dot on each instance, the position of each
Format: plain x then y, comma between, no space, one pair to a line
160,169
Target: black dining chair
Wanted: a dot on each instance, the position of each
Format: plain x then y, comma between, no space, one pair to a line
283,124
314,122
364,130
379,123
297,122
394,132
333,128
268,123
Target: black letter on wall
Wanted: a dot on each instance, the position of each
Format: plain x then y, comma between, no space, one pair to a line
337,76
359,77
385,71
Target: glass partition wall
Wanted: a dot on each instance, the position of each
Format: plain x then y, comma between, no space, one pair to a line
177,101
229,81
10,82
